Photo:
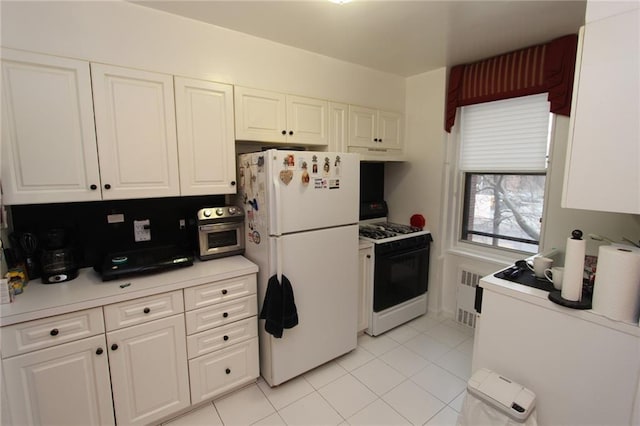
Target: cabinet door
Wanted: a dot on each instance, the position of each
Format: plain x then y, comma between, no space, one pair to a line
365,288
49,149
362,126
136,131
260,115
603,157
206,145
307,120
63,385
389,130
149,370
338,127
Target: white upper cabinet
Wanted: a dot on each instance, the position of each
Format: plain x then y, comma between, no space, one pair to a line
275,117
206,145
374,129
603,156
338,127
48,138
136,132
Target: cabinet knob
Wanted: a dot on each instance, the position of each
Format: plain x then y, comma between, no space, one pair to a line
225,338
284,132
224,291
228,371
233,183
114,346
368,256
375,139
146,310
379,139
107,186
54,332
225,315
99,351
290,132
93,187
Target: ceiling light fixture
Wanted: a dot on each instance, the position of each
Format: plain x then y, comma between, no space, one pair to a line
339,1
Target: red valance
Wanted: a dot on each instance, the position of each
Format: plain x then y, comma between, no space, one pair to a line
537,69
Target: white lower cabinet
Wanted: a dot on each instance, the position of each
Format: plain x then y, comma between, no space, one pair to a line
365,285
222,345
66,384
149,370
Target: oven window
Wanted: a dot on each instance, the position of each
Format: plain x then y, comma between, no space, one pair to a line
222,238
399,277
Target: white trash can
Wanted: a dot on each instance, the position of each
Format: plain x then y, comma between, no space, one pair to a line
494,400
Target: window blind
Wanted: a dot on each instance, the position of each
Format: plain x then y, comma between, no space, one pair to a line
505,136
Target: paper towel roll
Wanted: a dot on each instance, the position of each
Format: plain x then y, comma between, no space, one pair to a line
573,267
616,292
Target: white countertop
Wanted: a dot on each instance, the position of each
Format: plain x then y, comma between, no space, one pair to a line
541,298
88,290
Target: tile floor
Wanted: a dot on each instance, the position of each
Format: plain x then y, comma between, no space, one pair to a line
415,374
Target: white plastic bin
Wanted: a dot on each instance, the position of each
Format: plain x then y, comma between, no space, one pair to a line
494,400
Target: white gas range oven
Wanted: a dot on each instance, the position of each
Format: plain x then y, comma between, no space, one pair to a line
401,268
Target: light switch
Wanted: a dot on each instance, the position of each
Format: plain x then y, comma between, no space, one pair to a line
142,230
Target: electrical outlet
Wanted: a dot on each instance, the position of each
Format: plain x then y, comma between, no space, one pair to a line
182,224
142,230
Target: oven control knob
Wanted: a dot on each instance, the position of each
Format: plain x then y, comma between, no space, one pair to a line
233,210
206,213
219,212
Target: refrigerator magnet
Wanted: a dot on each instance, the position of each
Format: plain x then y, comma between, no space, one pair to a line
326,166
305,174
314,166
286,176
256,237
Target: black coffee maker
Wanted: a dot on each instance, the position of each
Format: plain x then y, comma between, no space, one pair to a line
57,261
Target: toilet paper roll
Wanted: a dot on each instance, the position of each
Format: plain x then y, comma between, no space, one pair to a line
616,292
573,268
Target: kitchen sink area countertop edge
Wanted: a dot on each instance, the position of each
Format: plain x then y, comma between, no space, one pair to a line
88,290
541,298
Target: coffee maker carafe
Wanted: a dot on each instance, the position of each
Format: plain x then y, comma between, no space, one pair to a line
57,262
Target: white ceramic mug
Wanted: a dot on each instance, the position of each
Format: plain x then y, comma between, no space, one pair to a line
539,265
556,276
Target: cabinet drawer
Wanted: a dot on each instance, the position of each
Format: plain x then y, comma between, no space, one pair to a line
221,337
221,314
46,332
214,374
144,309
221,291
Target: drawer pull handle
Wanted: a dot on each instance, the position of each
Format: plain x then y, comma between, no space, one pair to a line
225,315
224,291
225,338
99,351
228,371
54,332
146,310
114,347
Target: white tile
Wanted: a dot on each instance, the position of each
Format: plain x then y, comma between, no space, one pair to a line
378,376
446,417
402,333
457,363
456,404
201,416
377,413
427,347
310,410
405,361
244,407
458,326
447,335
272,420
439,382
424,323
413,403
347,395
325,374
354,359
466,347
286,393
377,345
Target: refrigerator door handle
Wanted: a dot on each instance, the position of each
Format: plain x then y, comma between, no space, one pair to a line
276,206
278,242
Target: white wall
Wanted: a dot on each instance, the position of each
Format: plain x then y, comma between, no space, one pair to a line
131,35
416,186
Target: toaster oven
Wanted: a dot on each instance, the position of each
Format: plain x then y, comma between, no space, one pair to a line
220,232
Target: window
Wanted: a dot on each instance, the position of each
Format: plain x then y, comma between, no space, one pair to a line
503,159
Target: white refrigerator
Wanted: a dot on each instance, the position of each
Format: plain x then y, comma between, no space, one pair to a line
301,221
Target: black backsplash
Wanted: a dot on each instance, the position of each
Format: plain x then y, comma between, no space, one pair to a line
92,236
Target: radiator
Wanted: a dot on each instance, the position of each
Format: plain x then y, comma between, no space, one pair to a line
466,292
